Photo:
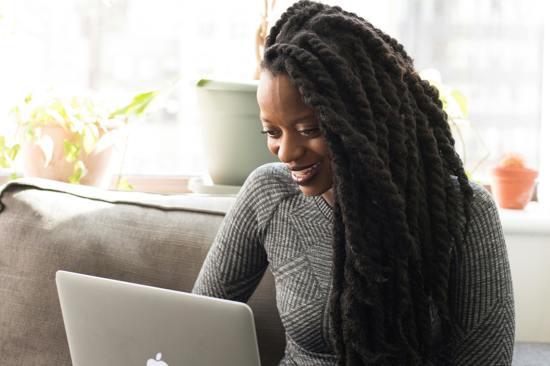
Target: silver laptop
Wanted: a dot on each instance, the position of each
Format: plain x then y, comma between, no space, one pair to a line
115,323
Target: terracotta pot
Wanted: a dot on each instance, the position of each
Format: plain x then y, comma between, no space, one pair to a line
97,163
513,186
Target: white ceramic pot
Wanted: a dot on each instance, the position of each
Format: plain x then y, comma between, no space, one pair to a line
230,122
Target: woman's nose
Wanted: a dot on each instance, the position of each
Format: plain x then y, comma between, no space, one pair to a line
289,149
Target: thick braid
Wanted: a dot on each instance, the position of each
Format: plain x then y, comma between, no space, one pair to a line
397,212
428,105
332,61
351,227
293,17
453,160
412,159
396,46
413,203
449,208
395,207
404,296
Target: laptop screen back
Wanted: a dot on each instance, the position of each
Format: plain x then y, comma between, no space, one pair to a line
117,323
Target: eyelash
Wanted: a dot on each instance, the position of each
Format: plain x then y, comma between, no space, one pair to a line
310,132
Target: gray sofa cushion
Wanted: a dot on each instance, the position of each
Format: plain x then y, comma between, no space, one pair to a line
145,238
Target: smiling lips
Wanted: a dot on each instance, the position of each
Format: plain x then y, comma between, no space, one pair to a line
305,175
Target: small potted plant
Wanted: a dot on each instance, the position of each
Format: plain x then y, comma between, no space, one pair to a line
230,124
512,182
69,139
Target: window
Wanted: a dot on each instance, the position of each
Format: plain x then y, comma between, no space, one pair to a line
122,47
492,50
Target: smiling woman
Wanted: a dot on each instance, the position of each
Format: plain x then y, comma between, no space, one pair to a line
383,251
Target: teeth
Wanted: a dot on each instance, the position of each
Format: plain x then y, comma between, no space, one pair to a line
301,173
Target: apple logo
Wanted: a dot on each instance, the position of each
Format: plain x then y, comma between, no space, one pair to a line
157,361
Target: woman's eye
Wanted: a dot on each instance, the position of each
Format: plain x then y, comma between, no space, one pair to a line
310,132
270,133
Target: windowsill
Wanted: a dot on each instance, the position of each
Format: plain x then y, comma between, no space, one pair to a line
148,183
533,220
157,183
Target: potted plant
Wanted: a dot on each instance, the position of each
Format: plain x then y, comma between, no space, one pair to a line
512,182
69,139
229,114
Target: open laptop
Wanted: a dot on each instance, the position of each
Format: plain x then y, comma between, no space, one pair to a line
115,323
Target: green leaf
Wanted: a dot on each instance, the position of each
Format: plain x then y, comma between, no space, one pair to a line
12,151
7,153
79,172
137,106
202,82
124,185
72,151
14,176
30,133
444,102
461,100
60,110
28,99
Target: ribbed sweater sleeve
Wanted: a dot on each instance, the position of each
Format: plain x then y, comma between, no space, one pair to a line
482,297
237,259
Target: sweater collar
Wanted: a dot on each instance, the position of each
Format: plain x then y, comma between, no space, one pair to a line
323,205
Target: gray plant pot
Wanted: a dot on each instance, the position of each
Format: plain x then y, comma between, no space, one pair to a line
229,118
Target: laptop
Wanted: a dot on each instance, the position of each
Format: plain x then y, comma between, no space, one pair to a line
115,323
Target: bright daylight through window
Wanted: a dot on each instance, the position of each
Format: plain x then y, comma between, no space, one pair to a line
490,52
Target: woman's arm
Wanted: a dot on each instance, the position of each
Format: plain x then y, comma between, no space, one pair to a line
237,260
482,301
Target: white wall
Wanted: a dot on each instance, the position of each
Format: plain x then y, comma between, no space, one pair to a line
527,235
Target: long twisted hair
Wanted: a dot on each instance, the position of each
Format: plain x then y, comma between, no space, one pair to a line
402,198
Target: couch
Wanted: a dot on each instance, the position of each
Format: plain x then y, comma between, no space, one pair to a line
152,239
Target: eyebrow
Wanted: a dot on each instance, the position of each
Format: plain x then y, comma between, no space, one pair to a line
295,121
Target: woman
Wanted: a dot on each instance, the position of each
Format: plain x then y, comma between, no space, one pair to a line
383,252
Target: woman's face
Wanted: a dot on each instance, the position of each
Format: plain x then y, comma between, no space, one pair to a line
293,134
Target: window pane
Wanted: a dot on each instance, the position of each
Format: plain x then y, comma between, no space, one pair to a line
492,50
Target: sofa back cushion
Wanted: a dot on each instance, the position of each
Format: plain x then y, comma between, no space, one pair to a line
151,239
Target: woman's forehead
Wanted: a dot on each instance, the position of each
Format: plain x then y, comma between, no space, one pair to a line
277,95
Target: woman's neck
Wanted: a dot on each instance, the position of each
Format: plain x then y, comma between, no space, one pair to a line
329,197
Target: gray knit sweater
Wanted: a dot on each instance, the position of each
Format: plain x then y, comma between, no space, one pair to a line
272,224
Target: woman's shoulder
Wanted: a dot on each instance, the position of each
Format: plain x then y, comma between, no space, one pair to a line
484,216
273,173
484,232
265,188
481,199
